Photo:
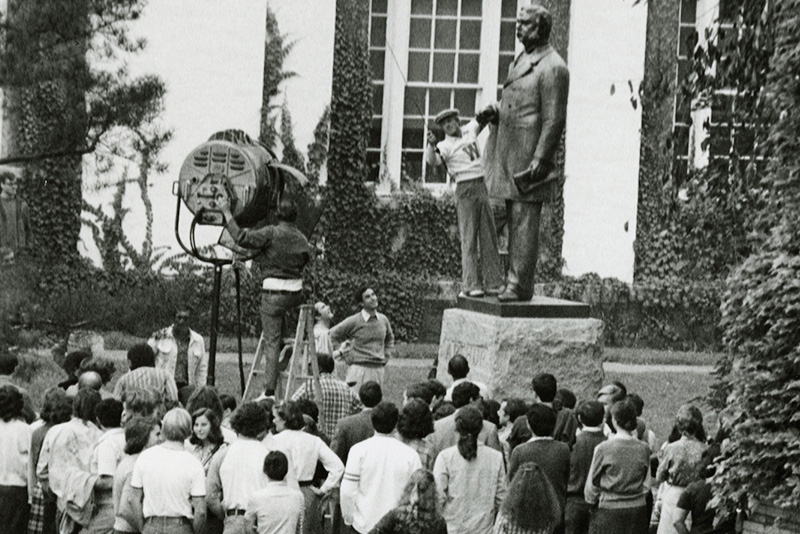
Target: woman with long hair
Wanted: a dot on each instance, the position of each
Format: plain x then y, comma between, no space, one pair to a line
414,425
15,436
618,478
470,478
140,433
531,506
207,397
680,465
206,438
418,512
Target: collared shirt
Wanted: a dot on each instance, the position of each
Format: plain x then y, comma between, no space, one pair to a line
15,446
304,451
470,492
165,346
540,438
108,452
276,509
371,335
338,400
378,470
157,380
367,316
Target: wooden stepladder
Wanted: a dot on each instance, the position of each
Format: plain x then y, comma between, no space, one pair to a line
304,356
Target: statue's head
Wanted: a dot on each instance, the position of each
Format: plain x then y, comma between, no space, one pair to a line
534,23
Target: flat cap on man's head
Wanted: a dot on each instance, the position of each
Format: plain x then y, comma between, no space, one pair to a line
446,114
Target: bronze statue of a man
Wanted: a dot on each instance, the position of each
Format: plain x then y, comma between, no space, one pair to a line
520,152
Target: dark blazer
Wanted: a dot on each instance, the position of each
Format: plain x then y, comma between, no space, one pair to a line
552,456
532,113
351,430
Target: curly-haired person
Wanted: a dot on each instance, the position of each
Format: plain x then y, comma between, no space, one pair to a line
418,511
414,425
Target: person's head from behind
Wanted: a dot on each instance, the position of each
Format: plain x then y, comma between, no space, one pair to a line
206,427
590,413
370,394
287,210
366,297
108,413
102,366
73,360
416,420
689,421
90,380
420,492
545,387
11,403
541,420
85,403
8,362
421,391
141,355
56,406
139,402
268,404
249,421
205,397
141,433
469,423
444,409
325,363
465,393
490,409
611,393
287,416
276,465
228,405
532,504
438,390
638,403
623,415
458,367
176,425
566,398
384,417
510,410
308,407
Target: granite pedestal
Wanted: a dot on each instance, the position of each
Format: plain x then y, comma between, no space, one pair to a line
506,344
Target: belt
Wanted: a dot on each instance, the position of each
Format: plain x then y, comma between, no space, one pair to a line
181,520
305,483
281,292
234,511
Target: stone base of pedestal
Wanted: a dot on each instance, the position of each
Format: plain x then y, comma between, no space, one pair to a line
506,352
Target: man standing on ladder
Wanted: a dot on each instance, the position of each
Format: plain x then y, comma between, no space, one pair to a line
284,252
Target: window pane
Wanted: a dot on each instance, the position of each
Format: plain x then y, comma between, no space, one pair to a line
465,101
435,175
508,36
378,6
470,8
377,99
418,66
422,7
420,33
728,10
688,10
447,7
688,41
509,9
415,101
374,165
375,133
443,67
440,100
376,62
502,67
445,34
377,32
412,164
413,134
468,66
470,37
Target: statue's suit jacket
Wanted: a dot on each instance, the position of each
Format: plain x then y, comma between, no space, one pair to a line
532,114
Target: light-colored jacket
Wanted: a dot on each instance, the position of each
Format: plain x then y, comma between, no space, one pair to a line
166,348
532,115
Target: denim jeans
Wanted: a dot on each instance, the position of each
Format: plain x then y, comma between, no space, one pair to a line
273,311
480,260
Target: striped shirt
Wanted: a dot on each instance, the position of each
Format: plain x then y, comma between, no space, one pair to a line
157,380
338,401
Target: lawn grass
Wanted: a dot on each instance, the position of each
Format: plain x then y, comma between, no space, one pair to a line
659,357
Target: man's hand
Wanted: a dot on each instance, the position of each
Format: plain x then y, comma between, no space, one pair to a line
224,205
432,140
489,114
539,170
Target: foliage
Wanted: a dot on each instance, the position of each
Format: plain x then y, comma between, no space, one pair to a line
759,382
69,95
291,156
318,149
276,49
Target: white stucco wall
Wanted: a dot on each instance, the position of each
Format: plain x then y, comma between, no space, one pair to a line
606,46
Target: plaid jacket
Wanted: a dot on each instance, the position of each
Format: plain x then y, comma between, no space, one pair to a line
338,401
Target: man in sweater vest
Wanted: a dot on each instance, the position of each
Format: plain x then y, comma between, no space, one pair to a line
370,340
576,515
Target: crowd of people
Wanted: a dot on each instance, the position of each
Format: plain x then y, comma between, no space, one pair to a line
153,458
